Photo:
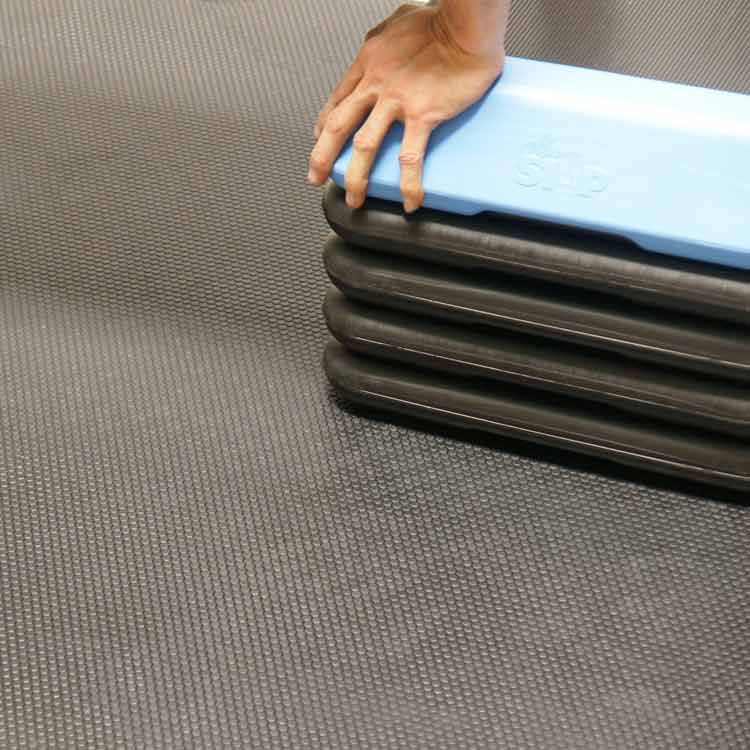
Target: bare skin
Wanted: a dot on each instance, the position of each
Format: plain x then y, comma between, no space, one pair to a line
421,66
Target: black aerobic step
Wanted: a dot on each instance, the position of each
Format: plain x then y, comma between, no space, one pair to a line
551,419
547,252
536,308
662,393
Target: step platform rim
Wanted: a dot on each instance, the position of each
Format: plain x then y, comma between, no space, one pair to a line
434,291
686,399
438,399
560,254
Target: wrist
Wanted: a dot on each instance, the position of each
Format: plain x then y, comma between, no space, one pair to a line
478,27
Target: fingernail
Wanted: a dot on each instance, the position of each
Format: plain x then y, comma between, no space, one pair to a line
312,178
351,200
410,206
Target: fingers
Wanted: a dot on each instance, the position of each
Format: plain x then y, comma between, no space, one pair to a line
343,89
413,146
365,146
364,149
339,125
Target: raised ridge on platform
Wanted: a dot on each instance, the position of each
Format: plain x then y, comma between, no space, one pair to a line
659,392
577,258
550,311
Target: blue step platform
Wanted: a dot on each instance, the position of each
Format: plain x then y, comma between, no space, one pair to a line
664,165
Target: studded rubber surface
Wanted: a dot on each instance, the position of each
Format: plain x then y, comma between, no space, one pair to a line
199,548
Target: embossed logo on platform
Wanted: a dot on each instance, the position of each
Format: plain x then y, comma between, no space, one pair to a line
546,164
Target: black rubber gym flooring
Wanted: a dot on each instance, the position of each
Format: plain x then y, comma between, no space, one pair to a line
200,546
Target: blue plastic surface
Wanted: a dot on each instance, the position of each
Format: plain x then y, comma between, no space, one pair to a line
664,165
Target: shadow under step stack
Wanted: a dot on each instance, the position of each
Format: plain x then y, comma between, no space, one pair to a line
542,330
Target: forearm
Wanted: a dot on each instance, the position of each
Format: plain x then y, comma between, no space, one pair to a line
478,25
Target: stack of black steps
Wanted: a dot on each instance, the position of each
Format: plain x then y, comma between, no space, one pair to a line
570,339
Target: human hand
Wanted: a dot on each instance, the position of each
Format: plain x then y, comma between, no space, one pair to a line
421,66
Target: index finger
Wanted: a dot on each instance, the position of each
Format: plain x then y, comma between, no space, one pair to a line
342,89
334,135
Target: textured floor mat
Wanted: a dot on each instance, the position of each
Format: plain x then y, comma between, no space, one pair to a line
198,547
